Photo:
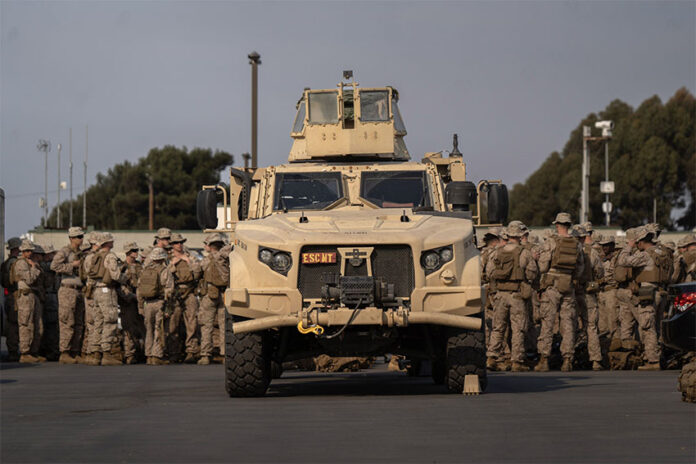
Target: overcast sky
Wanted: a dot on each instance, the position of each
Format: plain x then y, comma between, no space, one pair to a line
511,78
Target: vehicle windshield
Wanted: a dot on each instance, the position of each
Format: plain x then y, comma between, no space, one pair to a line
395,189
307,190
323,108
374,105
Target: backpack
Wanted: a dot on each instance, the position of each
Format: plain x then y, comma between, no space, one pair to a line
7,272
12,278
149,283
565,256
507,265
217,272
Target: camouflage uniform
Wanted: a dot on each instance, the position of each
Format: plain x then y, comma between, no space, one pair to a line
212,302
50,339
608,304
186,272
513,290
12,327
586,297
131,320
153,307
684,267
558,298
28,274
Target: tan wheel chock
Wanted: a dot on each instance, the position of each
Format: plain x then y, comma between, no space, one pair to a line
471,385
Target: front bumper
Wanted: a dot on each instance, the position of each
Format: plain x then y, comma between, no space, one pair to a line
281,307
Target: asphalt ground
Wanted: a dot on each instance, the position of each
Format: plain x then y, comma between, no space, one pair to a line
75,413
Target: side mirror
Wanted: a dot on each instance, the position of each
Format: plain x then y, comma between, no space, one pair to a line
460,195
206,209
497,204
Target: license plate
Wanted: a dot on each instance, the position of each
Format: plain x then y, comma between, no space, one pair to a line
318,258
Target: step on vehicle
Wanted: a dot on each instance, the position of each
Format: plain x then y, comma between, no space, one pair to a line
351,248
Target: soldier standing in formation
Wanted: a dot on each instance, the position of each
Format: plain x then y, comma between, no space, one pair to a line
186,271
561,263
155,287
131,320
12,329
50,340
513,269
26,273
216,276
608,304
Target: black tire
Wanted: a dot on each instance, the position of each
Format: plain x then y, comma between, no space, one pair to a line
466,354
247,362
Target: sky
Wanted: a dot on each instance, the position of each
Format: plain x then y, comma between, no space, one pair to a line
511,78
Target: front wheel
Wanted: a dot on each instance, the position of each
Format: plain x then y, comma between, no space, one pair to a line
466,355
247,362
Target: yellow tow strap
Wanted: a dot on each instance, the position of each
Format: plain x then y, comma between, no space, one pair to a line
315,329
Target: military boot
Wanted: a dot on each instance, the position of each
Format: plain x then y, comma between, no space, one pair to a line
492,364
190,358
94,359
597,366
130,360
567,365
519,367
155,361
29,359
65,358
542,365
110,359
204,361
646,367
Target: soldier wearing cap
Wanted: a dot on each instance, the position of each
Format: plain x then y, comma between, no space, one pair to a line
131,320
12,328
105,270
26,272
642,257
186,271
491,239
66,265
685,260
560,262
608,304
533,317
50,338
216,276
155,287
91,352
163,238
512,269
586,290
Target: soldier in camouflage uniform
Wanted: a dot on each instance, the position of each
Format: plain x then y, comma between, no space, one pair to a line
642,257
186,271
12,328
50,339
491,239
586,289
560,262
155,287
216,275
91,349
512,269
684,268
26,272
71,311
131,320
608,304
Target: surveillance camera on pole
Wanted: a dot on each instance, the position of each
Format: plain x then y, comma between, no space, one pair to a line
606,127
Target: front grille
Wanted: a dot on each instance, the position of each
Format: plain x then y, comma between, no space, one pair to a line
394,263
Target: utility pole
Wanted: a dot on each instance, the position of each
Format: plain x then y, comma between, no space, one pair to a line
605,187
606,207
585,195
45,146
84,193
71,166
254,61
58,205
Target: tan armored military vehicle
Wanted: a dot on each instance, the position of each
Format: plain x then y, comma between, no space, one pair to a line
351,249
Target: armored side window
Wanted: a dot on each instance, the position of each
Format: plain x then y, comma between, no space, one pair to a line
298,126
399,125
374,105
323,108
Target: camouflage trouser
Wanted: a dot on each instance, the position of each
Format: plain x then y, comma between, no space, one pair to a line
153,312
608,313
488,314
106,317
632,311
133,327
588,313
508,307
554,304
188,308
91,343
30,323
211,309
12,329
532,332
71,323
49,341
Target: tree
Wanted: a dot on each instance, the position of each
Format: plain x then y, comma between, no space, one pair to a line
119,198
652,156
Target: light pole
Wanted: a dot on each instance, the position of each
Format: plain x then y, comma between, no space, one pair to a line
605,187
254,61
58,204
71,166
45,146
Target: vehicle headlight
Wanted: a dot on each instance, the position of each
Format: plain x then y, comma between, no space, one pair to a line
279,261
432,260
